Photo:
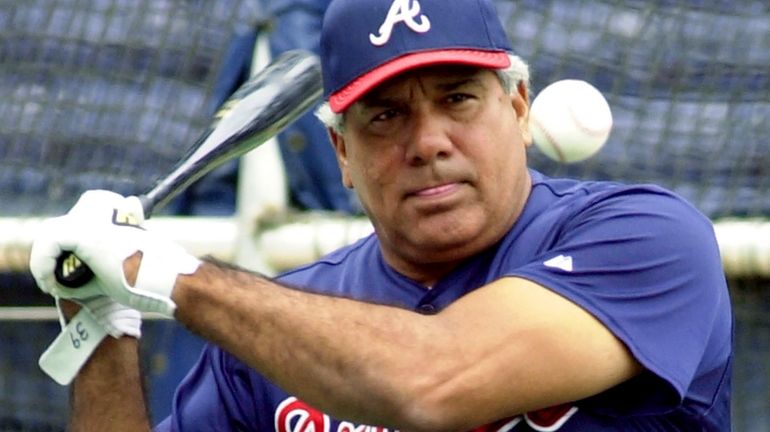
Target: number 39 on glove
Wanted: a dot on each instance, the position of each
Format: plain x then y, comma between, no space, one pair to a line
70,350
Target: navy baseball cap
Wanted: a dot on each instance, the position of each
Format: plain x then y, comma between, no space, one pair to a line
366,42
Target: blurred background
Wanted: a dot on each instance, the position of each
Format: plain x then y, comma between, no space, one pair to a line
110,93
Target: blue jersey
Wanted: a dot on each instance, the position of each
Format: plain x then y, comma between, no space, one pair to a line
640,259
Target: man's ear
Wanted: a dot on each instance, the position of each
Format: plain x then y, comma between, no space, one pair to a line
341,151
520,101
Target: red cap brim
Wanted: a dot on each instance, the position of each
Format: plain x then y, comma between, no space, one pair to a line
342,99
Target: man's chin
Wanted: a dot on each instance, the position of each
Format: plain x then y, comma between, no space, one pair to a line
445,244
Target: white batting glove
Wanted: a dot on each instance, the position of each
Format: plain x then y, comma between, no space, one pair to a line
102,230
116,319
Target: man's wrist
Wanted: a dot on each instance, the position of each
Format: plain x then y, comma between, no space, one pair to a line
68,309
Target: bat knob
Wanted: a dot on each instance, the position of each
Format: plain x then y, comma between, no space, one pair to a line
71,272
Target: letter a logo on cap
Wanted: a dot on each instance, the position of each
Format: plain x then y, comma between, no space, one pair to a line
401,11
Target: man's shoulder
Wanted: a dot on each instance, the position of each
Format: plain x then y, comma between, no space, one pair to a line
575,196
574,188
562,212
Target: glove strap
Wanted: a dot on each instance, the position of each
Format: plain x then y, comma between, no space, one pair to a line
71,349
157,276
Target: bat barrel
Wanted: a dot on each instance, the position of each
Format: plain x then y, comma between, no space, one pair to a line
257,111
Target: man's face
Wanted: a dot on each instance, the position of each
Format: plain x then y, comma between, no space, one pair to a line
437,157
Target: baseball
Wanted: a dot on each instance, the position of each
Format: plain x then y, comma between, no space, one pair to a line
570,120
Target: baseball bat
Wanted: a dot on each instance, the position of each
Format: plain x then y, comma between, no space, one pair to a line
260,108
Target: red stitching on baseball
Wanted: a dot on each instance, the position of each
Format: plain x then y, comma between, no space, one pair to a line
595,132
550,138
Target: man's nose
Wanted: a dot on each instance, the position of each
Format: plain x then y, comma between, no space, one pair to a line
429,139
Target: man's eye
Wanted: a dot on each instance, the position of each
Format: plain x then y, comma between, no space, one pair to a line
385,115
458,97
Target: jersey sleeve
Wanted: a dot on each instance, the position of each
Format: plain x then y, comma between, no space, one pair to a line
212,396
648,267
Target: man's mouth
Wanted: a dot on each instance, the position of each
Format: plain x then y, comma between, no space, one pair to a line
435,191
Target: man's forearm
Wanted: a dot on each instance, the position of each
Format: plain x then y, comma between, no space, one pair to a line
294,339
108,393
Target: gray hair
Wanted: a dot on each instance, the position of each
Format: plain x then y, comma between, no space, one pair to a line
510,78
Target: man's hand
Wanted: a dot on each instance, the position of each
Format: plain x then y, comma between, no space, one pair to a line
103,229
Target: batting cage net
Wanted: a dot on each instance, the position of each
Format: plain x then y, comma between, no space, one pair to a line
99,94
110,93
688,84
107,93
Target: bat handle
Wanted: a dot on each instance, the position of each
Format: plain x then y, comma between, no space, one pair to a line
71,272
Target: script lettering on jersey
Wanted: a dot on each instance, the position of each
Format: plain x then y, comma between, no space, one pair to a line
401,11
293,415
544,420
550,419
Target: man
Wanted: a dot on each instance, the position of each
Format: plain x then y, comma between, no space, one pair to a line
489,298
